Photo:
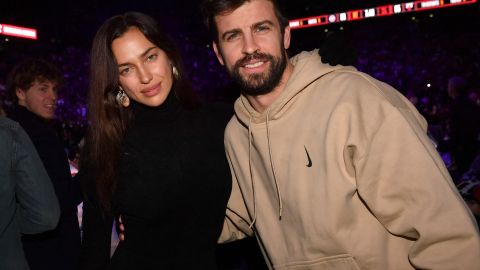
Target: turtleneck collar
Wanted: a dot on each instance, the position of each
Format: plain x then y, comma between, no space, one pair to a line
21,113
145,113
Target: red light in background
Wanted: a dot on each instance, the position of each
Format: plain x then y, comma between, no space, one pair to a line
379,11
18,31
354,15
385,10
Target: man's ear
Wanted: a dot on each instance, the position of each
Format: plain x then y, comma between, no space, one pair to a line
286,37
21,96
217,53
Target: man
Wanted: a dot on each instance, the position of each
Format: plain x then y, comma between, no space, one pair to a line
33,86
27,200
331,168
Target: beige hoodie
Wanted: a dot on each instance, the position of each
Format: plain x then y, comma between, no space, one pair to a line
338,173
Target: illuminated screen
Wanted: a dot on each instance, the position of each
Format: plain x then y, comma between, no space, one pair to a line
18,31
384,10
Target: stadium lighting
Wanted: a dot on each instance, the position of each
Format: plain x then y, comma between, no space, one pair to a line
18,31
384,10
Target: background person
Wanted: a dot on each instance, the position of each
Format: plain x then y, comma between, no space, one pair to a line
28,204
33,86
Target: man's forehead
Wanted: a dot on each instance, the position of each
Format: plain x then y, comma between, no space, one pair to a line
42,81
247,15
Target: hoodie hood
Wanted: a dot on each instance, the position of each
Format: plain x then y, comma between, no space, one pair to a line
303,75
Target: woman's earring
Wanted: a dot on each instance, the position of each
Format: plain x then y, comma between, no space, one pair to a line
175,73
122,98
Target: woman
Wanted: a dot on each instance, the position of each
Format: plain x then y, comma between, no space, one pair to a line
152,156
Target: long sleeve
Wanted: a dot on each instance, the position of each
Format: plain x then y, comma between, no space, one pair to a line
37,204
405,185
96,229
236,224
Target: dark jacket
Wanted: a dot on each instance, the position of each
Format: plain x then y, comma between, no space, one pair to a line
57,249
27,200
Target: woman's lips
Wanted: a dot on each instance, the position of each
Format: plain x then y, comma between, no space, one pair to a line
151,91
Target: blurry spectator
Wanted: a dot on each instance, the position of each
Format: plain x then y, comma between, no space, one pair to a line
474,96
469,188
27,200
32,86
2,111
464,123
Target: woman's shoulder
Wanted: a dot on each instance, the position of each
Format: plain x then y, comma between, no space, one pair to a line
216,112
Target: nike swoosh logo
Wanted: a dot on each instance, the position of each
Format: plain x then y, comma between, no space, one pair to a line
309,164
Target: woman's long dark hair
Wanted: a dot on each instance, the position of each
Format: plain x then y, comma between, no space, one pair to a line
107,119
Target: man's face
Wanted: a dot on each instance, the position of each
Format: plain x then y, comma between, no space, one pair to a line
251,46
40,98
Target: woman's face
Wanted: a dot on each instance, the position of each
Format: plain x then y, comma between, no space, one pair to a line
144,69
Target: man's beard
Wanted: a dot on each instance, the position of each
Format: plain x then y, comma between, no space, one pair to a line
262,83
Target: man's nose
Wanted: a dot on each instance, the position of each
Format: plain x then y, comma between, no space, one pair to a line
250,44
52,94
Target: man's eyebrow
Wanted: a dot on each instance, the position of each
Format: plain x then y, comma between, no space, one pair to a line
141,55
262,22
255,25
232,31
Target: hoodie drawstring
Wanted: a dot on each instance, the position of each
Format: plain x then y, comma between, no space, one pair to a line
251,174
280,205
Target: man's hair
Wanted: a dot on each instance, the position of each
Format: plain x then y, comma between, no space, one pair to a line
26,73
212,8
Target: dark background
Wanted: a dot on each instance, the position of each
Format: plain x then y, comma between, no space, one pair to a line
73,23
407,51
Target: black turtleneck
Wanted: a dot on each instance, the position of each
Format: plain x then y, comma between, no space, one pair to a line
172,186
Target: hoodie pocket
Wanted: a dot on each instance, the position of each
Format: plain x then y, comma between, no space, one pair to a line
337,262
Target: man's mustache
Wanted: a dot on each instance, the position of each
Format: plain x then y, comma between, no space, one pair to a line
253,56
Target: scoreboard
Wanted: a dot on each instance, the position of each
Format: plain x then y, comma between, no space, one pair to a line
380,11
346,16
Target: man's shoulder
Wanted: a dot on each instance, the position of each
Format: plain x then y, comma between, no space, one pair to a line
234,128
357,85
8,132
11,133
10,128
7,123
